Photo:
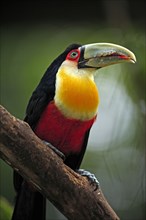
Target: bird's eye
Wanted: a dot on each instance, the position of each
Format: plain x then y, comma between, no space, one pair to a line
74,54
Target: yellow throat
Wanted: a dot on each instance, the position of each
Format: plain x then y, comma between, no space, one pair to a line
76,92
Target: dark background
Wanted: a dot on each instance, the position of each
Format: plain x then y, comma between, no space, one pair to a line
74,11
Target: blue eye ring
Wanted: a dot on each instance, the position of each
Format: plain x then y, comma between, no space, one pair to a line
74,54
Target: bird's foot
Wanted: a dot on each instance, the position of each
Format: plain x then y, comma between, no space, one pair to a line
58,152
91,177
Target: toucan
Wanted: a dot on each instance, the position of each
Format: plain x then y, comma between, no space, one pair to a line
62,110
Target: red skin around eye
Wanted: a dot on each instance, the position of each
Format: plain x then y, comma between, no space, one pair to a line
73,58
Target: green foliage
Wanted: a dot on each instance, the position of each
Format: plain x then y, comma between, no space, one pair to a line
5,209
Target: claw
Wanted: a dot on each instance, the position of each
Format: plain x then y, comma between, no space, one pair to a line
91,177
58,152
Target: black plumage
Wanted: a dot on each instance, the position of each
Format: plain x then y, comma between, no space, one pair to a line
30,205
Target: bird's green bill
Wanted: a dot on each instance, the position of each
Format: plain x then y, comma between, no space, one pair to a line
104,54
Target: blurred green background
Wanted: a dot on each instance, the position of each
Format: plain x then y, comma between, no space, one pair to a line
33,34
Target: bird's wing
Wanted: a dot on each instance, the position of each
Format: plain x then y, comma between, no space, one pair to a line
36,105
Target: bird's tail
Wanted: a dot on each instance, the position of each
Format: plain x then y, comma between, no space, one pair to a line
30,204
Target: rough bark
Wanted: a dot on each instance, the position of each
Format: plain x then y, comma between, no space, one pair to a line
68,191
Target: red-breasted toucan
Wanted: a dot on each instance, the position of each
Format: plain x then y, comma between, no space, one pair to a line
62,110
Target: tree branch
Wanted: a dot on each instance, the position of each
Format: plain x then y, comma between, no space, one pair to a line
68,191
